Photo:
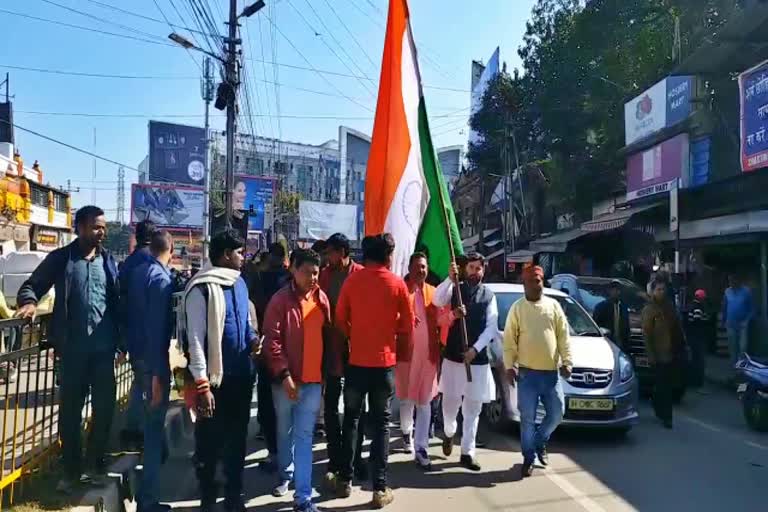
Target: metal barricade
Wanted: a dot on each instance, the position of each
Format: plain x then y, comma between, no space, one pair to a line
29,389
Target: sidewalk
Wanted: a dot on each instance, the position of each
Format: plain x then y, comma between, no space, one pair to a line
719,370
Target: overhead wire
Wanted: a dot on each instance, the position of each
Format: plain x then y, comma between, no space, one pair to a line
330,48
141,16
275,69
162,13
356,41
325,79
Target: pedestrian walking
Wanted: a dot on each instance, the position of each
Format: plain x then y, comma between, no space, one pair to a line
480,312
665,344
84,331
374,313
262,286
536,349
738,310
221,343
132,435
613,314
155,309
416,376
332,277
698,333
295,327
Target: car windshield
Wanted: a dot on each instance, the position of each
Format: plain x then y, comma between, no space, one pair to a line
579,321
631,294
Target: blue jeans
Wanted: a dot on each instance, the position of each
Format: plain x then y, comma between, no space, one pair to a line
738,341
154,441
134,414
535,385
295,431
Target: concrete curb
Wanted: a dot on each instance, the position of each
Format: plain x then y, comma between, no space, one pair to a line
112,496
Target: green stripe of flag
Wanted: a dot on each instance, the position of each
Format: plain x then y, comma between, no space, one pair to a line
433,235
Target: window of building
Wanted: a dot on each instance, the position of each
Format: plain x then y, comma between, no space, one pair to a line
259,166
39,197
60,202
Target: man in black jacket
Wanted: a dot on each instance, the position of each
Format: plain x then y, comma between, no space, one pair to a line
85,332
613,314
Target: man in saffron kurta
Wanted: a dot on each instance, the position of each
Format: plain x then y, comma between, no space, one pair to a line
416,378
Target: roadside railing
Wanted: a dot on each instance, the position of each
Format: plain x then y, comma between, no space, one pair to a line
29,412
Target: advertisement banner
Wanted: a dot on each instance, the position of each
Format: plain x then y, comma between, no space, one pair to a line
665,104
655,170
167,205
187,248
753,96
478,90
176,153
255,194
318,221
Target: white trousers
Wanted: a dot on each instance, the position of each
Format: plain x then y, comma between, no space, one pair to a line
470,410
423,417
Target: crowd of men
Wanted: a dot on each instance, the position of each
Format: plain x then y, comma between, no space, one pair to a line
305,330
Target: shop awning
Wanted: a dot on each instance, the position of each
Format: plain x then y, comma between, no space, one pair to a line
556,243
746,223
521,256
472,241
494,254
616,219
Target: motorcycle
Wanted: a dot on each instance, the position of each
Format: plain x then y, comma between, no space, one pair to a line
754,391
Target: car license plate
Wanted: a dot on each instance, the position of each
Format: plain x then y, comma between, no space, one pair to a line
642,361
590,404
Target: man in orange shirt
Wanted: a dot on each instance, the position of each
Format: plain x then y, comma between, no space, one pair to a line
374,312
294,325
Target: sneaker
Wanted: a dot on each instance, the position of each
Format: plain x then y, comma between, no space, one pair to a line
470,463
281,489
343,488
527,469
329,481
383,498
447,446
543,456
408,444
320,432
306,507
422,459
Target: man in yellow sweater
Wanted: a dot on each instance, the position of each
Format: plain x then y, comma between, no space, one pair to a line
536,346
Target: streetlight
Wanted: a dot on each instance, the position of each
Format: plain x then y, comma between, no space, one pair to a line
252,9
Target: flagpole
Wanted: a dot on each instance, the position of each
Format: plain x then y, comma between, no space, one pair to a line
456,288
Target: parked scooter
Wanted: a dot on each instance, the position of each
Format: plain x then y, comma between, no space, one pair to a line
754,391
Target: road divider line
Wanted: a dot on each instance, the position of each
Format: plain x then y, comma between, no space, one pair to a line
718,430
576,495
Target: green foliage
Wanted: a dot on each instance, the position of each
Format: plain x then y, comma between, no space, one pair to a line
582,60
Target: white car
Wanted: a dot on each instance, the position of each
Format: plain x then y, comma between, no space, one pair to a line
603,389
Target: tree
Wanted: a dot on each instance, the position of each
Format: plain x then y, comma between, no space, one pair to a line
118,238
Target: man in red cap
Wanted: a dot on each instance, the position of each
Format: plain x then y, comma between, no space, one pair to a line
536,347
698,329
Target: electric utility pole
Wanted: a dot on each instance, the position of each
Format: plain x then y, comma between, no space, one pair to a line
206,91
233,83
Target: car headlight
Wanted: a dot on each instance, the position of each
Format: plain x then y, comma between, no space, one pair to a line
626,370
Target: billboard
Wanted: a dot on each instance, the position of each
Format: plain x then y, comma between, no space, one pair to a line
753,99
665,104
176,153
657,169
255,194
479,88
167,206
450,163
318,221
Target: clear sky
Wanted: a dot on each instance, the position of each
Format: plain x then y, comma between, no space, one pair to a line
448,33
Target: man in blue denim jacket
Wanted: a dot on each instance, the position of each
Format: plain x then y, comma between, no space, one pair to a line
132,436
85,332
154,282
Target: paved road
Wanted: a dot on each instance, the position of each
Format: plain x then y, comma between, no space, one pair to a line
710,462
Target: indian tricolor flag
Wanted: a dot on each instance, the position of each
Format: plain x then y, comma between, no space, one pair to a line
405,193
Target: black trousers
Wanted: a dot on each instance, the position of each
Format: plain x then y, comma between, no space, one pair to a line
83,373
223,437
378,384
334,387
265,413
664,389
